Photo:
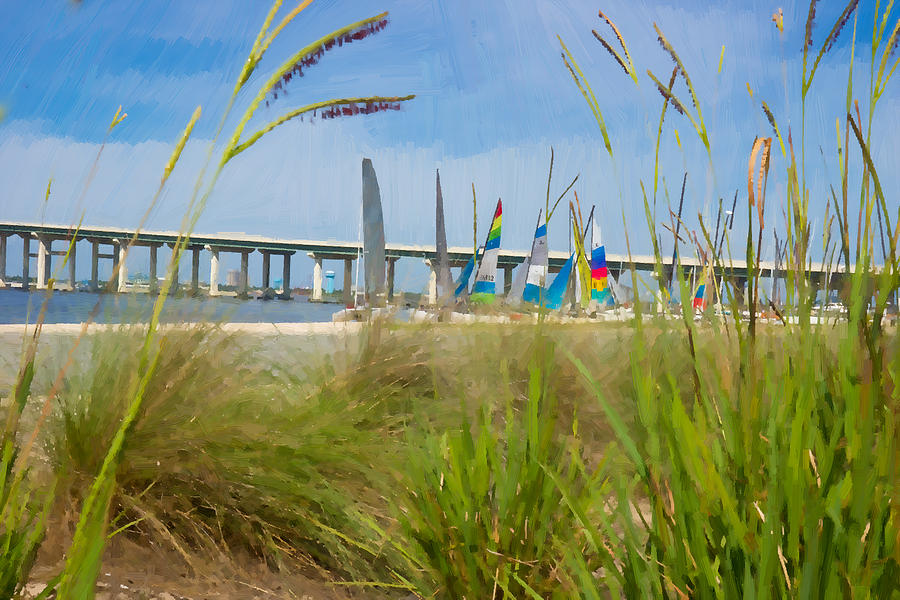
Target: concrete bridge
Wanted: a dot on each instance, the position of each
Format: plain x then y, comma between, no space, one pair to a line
108,243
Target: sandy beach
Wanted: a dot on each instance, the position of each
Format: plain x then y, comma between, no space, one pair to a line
265,329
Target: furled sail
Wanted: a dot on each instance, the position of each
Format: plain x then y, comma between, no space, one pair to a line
373,235
444,279
484,289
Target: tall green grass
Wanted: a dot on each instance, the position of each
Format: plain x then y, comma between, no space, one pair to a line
776,474
483,503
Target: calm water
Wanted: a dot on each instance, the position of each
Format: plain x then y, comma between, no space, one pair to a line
17,306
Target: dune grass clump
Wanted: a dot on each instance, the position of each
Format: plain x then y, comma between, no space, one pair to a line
482,508
23,513
231,455
775,477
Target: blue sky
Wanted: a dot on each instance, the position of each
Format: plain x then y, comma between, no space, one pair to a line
492,97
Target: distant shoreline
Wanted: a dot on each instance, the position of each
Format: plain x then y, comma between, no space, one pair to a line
313,328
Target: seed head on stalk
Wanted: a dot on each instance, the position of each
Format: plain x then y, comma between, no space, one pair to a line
626,63
315,54
697,122
666,93
842,20
293,67
778,19
810,23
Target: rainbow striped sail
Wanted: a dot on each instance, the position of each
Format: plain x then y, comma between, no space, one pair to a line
600,290
484,289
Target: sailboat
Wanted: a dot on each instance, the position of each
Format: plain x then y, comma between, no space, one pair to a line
526,272
444,279
583,278
601,292
461,289
484,289
699,302
373,237
373,252
536,276
535,293
553,295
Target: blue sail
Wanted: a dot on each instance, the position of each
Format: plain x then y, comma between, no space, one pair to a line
462,283
537,267
553,296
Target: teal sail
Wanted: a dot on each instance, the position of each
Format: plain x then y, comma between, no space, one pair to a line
553,296
462,283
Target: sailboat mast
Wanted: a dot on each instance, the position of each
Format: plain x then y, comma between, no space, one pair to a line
359,251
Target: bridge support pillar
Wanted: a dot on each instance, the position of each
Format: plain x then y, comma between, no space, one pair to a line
3,261
154,279
507,278
114,276
95,262
174,276
195,270
348,282
266,264
71,260
740,284
244,276
26,261
122,278
432,283
213,271
286,276
317,280
390,278
43,262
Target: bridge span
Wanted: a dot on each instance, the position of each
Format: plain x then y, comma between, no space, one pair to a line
108,243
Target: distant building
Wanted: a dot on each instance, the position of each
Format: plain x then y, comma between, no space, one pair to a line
233,278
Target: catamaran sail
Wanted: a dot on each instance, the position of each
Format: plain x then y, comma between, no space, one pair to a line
462,282
444,279
600,288
484,289
583,295
517,291
700,297
537,269
373,235
553,296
